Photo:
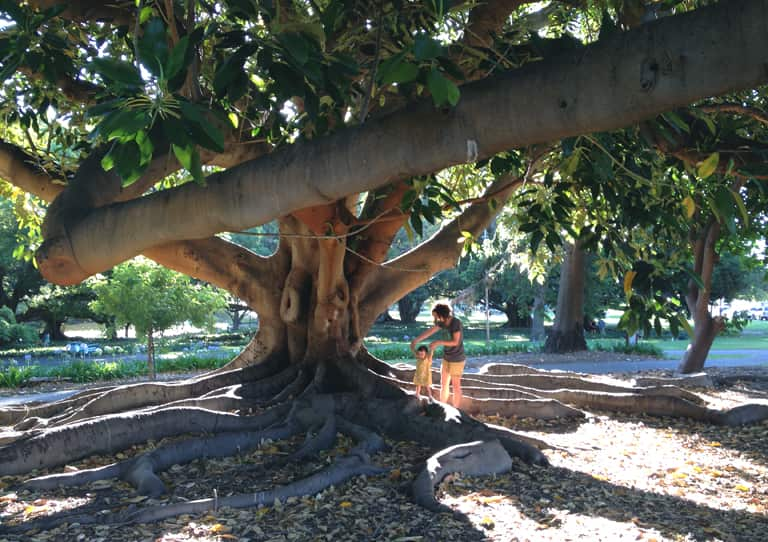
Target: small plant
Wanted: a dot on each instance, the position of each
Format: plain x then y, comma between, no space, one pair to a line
16,377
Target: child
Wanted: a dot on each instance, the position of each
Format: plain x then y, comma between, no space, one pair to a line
423,374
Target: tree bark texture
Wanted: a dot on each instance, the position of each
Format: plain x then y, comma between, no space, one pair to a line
705,326
568,330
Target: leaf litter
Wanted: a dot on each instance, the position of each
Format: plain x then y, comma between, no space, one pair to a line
613,477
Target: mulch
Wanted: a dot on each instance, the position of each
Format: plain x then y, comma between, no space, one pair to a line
613,477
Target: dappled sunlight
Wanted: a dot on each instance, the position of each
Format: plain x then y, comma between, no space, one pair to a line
632,478
19,507
665,461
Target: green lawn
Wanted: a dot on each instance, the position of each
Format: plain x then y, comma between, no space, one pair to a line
389,342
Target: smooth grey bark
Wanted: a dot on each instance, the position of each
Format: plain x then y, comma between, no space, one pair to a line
705,326
568,330
537,321
622,79
705,331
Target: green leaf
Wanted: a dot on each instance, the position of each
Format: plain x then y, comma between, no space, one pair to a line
425,47
176,58
675,120
313,31
190,159
396,70
499,165
443,90
184,155
145,14
127,160
289,82
708,166
417,224
742,208
122,124
176,132
146,149
202,129
231,67
710,124
296,46
122,73
686,326
102,108
571,164
153,46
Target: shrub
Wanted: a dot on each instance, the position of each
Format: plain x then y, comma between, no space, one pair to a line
16,377
13,333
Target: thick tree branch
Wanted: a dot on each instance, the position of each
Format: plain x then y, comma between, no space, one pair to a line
118,12
18,168
405,273
246,275
82,92
652,69
736,109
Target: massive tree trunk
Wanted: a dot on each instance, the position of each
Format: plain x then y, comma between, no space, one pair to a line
705,326
568,330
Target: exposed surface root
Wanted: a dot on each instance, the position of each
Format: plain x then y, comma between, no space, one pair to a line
341,470
473,458
364,401
109,434
141,471
541,409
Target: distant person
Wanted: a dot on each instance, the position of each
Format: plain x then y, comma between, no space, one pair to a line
453,351
423,375
601,327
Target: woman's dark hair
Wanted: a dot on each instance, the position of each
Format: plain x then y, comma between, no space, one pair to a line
442,310
422,348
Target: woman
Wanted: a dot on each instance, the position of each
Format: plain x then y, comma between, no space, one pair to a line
453,351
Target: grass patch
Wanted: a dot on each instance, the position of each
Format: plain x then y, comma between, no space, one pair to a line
82,371
621,347
401,350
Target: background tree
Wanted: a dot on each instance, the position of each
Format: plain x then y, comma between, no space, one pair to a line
153,299
18,277
55,305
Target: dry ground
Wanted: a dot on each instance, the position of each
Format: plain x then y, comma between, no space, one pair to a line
613,477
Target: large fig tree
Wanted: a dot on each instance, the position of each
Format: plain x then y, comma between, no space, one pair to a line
151,128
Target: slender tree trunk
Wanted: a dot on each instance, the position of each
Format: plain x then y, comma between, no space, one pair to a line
704,335
151,354
237,319
705,326
568,331
537,319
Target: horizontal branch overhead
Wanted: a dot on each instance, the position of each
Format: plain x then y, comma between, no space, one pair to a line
627,77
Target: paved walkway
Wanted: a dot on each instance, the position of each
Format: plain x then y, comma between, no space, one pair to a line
721,358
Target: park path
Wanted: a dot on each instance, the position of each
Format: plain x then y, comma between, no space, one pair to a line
719,359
